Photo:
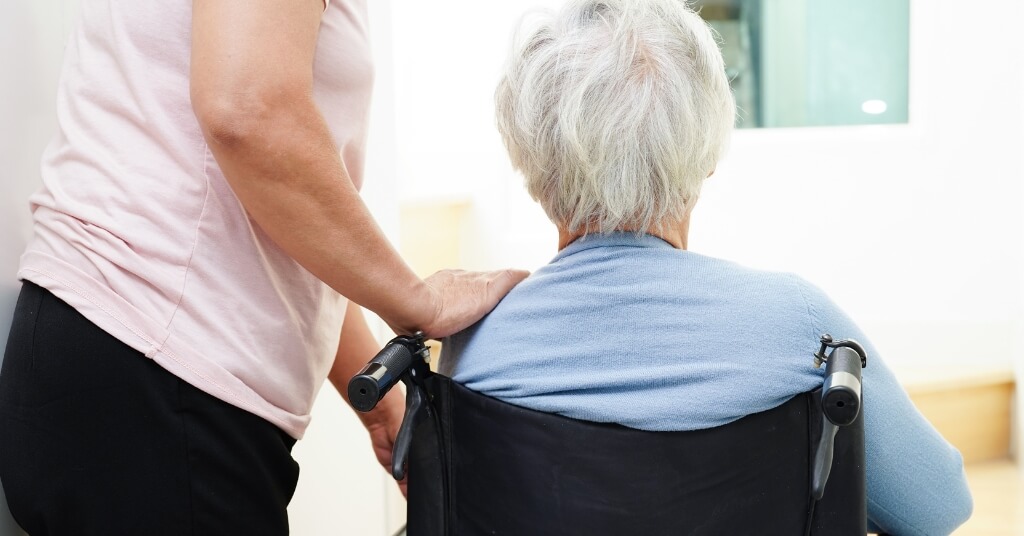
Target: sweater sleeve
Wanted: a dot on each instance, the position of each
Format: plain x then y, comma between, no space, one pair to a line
915,479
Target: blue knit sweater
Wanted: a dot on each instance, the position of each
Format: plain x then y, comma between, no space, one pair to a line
627,329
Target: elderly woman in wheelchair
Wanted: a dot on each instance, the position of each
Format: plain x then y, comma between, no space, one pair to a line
632,386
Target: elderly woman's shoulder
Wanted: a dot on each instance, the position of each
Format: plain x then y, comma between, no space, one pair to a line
726,268
770,286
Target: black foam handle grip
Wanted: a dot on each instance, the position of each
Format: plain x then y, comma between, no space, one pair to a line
374,381
841,393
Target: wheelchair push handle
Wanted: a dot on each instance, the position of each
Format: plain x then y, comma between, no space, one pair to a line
374,381
840,401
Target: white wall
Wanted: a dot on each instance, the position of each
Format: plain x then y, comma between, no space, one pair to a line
928,210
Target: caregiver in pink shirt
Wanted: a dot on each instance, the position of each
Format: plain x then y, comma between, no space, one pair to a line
199,244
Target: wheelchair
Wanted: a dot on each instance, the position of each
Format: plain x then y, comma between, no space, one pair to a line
477,465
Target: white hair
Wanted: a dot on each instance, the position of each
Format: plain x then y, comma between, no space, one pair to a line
615,111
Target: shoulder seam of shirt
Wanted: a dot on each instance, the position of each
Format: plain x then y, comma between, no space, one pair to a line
812,316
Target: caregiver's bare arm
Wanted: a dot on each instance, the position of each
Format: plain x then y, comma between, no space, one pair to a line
252,82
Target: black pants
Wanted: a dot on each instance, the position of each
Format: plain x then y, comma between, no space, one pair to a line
96,439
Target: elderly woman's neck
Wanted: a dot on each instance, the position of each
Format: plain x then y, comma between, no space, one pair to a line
675,233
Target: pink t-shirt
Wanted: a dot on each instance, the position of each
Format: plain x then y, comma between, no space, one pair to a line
137,229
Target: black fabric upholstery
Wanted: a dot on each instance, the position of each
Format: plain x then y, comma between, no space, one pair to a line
481,466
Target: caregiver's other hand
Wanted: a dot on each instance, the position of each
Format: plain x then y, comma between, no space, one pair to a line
382,424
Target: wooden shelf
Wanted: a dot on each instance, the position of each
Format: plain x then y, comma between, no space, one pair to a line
973,410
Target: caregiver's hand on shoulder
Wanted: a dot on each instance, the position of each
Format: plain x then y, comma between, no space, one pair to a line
460,298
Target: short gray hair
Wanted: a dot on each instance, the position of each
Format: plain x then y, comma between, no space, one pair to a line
615,111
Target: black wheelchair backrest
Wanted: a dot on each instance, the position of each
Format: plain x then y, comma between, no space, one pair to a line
477,465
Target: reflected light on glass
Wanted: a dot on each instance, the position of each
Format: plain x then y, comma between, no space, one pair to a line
873,106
